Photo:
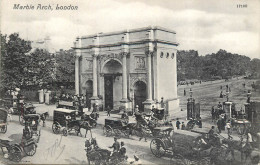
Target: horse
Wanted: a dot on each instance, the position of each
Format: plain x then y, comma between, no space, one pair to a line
43,117
95,154
85,125
244,147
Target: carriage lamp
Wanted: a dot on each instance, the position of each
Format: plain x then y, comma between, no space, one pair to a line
248,96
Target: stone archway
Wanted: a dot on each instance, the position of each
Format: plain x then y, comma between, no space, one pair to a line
112,71
89,93
140,94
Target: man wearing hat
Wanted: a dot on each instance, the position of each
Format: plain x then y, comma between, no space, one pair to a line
116,145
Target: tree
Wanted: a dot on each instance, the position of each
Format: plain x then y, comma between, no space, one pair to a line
40,67
221,64
13,55
65,67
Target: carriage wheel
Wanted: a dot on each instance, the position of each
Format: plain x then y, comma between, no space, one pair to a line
107,130
4,128
55,128
255,159
157,147
21,120
179,159
127,133
96,159
15,154
65,132
30,150
137,132
117,132
217,155
204,161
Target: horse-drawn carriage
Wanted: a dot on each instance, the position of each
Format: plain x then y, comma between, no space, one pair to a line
32,128
65,120
10,103
185,146
70,105
158,113
97,155
3,120
117,127
25,109
240,125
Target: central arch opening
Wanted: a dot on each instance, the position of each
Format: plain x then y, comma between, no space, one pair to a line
112,71
140,94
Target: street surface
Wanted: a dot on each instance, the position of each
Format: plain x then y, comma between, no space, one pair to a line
58,149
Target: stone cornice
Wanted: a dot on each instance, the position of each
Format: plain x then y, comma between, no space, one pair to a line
129,43
124,54
129,31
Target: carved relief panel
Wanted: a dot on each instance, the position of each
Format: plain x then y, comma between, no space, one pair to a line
89,65
140,62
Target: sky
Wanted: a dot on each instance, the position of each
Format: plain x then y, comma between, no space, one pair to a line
203,25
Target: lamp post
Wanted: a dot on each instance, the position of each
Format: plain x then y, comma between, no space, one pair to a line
190,105
190,92
227,93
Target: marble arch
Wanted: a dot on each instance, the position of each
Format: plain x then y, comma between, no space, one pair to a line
139,53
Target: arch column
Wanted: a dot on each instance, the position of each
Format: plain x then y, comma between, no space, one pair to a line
124,102
77,45
124,79
95,96
77,75
149,101
149,77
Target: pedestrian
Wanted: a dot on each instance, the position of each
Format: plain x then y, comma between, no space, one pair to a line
162,104
212,132
178,123
220,87
199,122
136,109
219,105
115,146
223,123
183,126
228,125
212,113
122,150
221,94
108,110
184,92
219,125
